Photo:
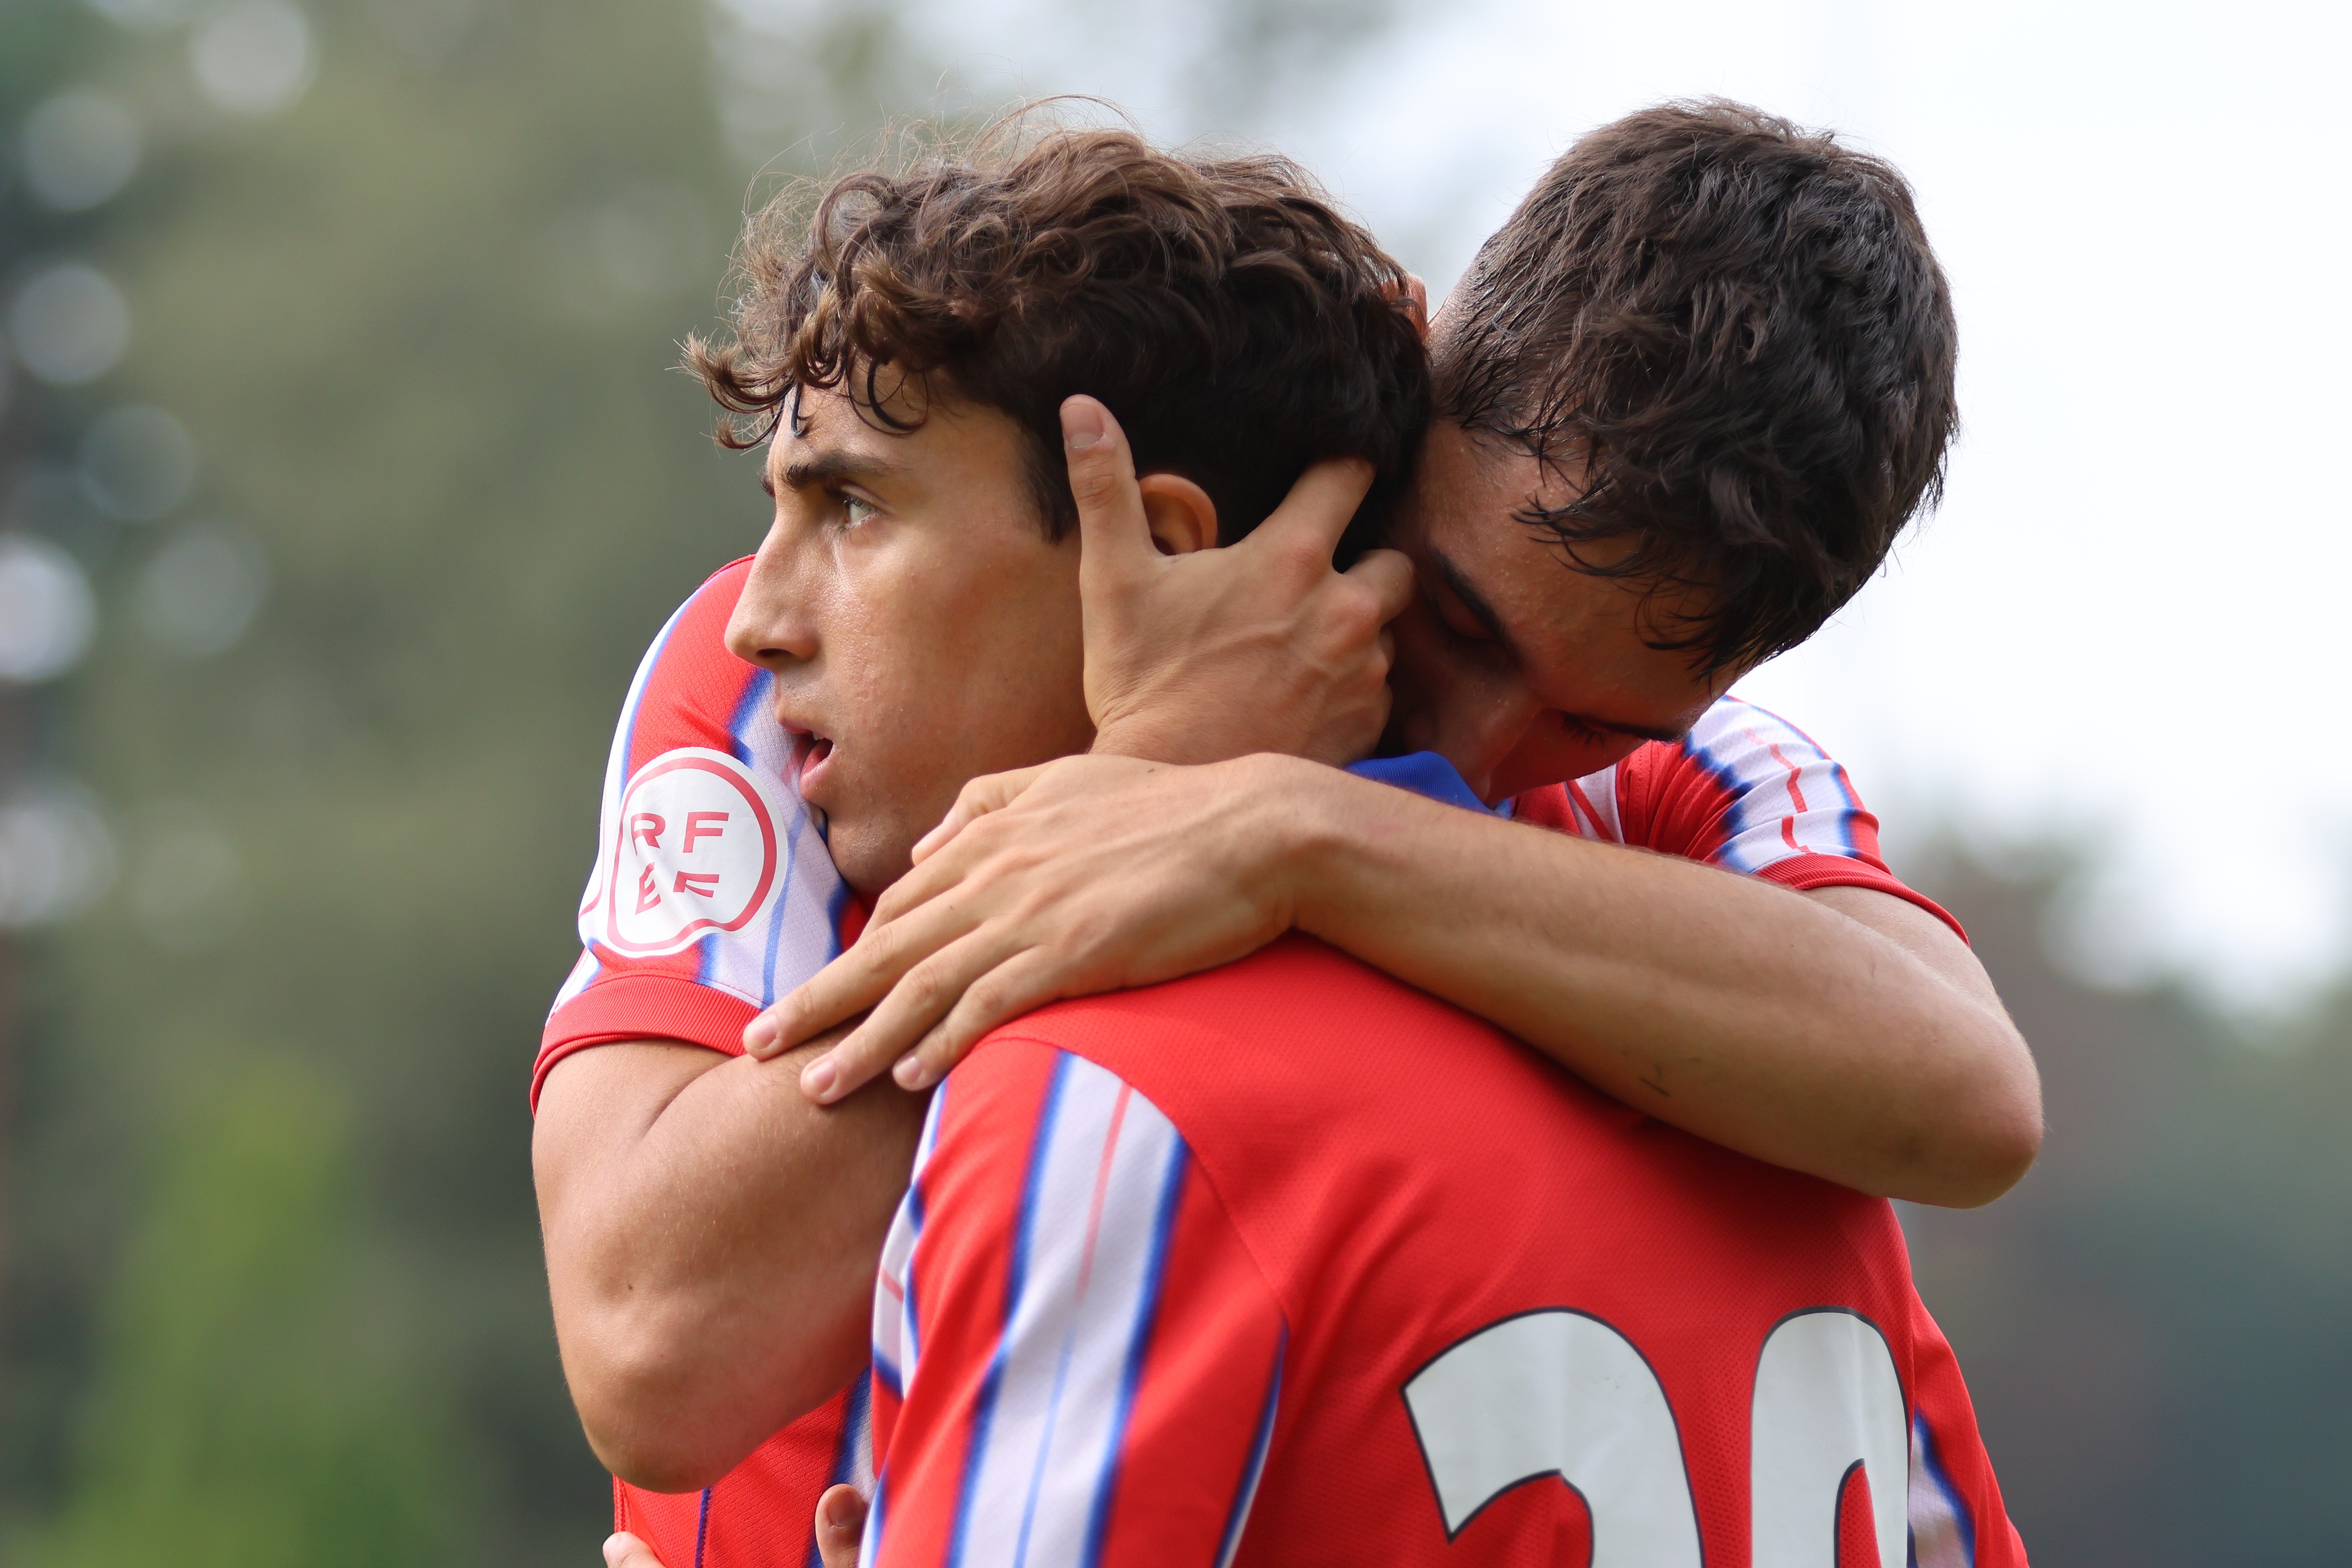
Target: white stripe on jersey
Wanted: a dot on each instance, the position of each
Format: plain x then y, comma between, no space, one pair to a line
1592,803
1789,797
802,933
1097,1210
1939,1531
895,1346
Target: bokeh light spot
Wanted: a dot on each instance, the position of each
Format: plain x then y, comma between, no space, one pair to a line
46,614
201,590
137,463
79,147
253,57
69,324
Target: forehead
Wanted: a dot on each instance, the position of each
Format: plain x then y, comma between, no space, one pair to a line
909,434
1580,639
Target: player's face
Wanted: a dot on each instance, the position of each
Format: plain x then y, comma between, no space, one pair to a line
921,628
1519,669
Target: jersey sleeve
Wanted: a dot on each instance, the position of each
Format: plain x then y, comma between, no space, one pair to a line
1745,790
712,892
1076,1359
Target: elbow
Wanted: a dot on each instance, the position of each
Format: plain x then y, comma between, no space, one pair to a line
1989,1140
646,1406
672,1396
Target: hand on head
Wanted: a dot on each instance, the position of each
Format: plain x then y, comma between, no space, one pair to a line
1086,875
1200,654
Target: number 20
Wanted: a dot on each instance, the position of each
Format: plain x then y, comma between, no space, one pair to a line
1559,1393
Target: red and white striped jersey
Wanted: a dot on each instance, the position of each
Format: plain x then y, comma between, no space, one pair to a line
712,896
1745,790
1222,1271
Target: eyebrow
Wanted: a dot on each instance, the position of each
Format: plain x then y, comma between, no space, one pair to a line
831,468
1491,623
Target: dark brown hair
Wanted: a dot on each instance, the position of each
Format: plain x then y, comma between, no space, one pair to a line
1235,322
1737,326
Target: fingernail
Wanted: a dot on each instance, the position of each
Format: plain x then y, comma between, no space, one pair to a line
1082,424
818,1078
911,1073
759,1034
842,1510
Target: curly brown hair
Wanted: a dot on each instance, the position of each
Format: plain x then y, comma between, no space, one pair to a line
1236,323
1737,326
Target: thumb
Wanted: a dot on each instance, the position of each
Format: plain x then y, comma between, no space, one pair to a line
840,1526
1317,512
1114,535
628,1551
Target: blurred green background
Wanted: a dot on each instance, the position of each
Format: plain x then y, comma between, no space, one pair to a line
342,397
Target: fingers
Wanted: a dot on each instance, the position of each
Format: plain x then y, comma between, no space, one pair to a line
1318,509
920,998
840,1526
1113,536
628,1551
1388,574
842,989
1022,983
990,792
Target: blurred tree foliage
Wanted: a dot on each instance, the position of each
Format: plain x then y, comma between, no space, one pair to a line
2153,1323
420,326
274,1287
276,1294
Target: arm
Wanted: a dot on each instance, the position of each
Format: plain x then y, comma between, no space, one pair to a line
711,1239
1837,1032
1109,1400
1840,1032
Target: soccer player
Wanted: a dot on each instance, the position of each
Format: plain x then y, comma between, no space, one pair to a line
699,1220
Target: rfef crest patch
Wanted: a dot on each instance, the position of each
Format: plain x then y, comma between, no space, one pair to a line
696,850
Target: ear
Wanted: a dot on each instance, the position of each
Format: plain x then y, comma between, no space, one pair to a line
1181,516
1414,295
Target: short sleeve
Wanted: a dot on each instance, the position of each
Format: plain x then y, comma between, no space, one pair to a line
1075,1357
1745,790
712,893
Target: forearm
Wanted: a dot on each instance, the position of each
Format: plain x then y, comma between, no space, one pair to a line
1745,1013
710,1252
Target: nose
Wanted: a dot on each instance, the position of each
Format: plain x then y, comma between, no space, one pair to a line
772,626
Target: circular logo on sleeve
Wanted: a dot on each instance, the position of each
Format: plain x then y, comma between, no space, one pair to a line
695,851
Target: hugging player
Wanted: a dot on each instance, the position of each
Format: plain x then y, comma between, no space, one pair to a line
916,607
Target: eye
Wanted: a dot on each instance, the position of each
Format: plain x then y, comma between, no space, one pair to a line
1577,729
855,511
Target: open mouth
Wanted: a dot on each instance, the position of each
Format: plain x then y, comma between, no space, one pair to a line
810,751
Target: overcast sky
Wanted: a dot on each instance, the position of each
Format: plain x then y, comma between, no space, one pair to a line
2122,626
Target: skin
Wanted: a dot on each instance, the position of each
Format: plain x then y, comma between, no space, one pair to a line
1842,1032
712,1235
696,1249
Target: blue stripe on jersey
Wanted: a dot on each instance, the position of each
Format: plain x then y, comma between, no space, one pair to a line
1924,1437
1741,819
1024,1238
853,1417
627,738
702,1526
748,708
1848,802
1139,1341
1246,1493
792,838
